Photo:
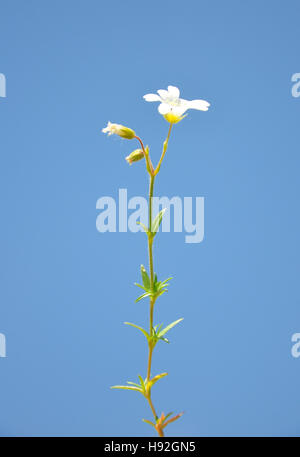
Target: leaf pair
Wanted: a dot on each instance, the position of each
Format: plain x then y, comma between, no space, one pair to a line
157,332
155,224
157,221
143,387
163,421
159,287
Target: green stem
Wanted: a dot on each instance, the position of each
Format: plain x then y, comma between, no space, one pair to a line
158,429
149,362
152,174
150,252
149,165
150,237
152,301
165,147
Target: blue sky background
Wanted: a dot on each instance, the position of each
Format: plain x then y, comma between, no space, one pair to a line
66,289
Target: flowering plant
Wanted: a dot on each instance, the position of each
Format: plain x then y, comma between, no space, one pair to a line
172,108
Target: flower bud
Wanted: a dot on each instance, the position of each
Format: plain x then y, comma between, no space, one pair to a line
120,130
135,156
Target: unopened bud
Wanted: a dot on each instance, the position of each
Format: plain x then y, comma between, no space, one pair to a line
121,130
135,156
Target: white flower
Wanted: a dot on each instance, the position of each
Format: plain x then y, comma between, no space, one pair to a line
110,129
173,107
121,130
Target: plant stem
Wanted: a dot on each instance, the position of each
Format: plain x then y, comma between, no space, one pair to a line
150,252
150,237
159,430
152,301
152,174
149,362
165,147
147,158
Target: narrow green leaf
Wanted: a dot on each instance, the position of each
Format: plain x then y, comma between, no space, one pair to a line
148,422
144,226
168,415
156,378
166,329
172,419
157,221
139,328
141,287
134,384
142,296
128,388
166,280
159,328
142,382
156,287
145,277
162,285
161,292
164,339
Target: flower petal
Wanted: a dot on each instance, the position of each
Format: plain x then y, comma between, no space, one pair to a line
107,129
163,93
152,98
174,91
180,109
164,108
201,105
